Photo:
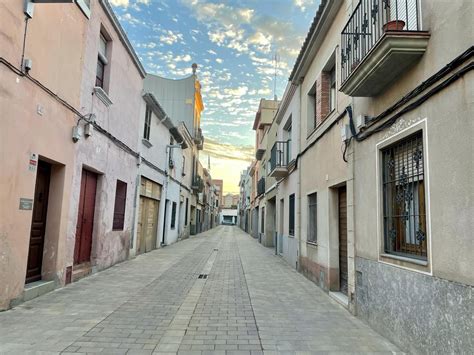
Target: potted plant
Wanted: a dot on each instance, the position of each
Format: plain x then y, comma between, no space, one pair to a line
393,23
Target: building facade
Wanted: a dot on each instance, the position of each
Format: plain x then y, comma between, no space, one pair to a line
378,103
37,151
111,157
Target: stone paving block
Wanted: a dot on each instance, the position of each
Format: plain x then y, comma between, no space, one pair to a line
155,303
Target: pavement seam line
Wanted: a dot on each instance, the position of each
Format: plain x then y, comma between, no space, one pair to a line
248,292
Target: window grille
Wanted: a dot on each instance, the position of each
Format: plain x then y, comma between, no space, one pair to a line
404,209
312,217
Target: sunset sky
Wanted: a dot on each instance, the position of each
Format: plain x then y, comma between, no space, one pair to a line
234,43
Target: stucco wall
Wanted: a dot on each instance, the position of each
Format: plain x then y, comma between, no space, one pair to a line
98,153
322,168
289,185
48,135
449,149
424,309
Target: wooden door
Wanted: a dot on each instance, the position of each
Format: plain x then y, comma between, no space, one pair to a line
343,240
147,224
38,222
85,218
151,223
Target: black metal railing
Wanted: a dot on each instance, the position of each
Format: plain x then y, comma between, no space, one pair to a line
280,154
261,186
197,184
370,20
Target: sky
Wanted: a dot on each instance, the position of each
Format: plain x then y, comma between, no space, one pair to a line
234,43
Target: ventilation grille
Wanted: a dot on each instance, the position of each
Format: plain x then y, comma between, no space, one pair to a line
202,276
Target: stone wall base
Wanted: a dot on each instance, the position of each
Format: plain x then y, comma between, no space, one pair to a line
420,313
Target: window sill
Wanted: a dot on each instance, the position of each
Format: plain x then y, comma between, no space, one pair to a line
147,143
326,118
313,244
102,95
290,236
407,259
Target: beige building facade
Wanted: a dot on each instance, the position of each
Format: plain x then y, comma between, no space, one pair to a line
37,152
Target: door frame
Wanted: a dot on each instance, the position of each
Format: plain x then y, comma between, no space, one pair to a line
39,276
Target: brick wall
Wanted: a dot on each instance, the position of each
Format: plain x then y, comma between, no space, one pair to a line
322,97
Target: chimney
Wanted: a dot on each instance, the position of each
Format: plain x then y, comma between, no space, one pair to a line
194,66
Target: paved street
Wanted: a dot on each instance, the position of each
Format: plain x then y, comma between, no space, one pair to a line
251,302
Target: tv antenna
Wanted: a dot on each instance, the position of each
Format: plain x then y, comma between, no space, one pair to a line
276,65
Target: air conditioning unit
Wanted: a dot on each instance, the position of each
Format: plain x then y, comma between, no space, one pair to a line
361,121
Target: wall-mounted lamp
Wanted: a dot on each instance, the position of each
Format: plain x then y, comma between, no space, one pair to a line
88,127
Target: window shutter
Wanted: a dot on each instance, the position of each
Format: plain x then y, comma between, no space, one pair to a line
119,208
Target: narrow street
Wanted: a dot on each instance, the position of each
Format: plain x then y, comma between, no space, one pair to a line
250,302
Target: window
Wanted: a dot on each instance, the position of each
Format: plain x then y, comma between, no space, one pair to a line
312,108
287,132
146,130
312,218
404,210
119,207
173,216
101,62
332,89
85,6
291,224
186,212
183,168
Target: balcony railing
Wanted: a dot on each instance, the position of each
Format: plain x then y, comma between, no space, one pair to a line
197,184
371,20
199,139
279,159
261,186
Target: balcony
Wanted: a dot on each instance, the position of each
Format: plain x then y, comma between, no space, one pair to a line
199,139
197,184
261,187
381,40
280,159
259,153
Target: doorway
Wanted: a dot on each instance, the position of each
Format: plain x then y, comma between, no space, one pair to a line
38,222
147,224
343,272
85,218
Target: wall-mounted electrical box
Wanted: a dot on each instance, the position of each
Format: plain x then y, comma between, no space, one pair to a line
345,132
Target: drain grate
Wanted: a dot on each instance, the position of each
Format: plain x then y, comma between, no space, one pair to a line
202,276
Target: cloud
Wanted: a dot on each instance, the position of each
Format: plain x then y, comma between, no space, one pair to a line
303,4
183,58
126,3
219,60
220,13
240,91
169,37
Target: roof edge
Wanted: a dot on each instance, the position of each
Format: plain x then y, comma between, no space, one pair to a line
123,36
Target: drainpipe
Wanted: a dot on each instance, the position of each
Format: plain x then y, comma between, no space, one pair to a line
135,203
298,184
